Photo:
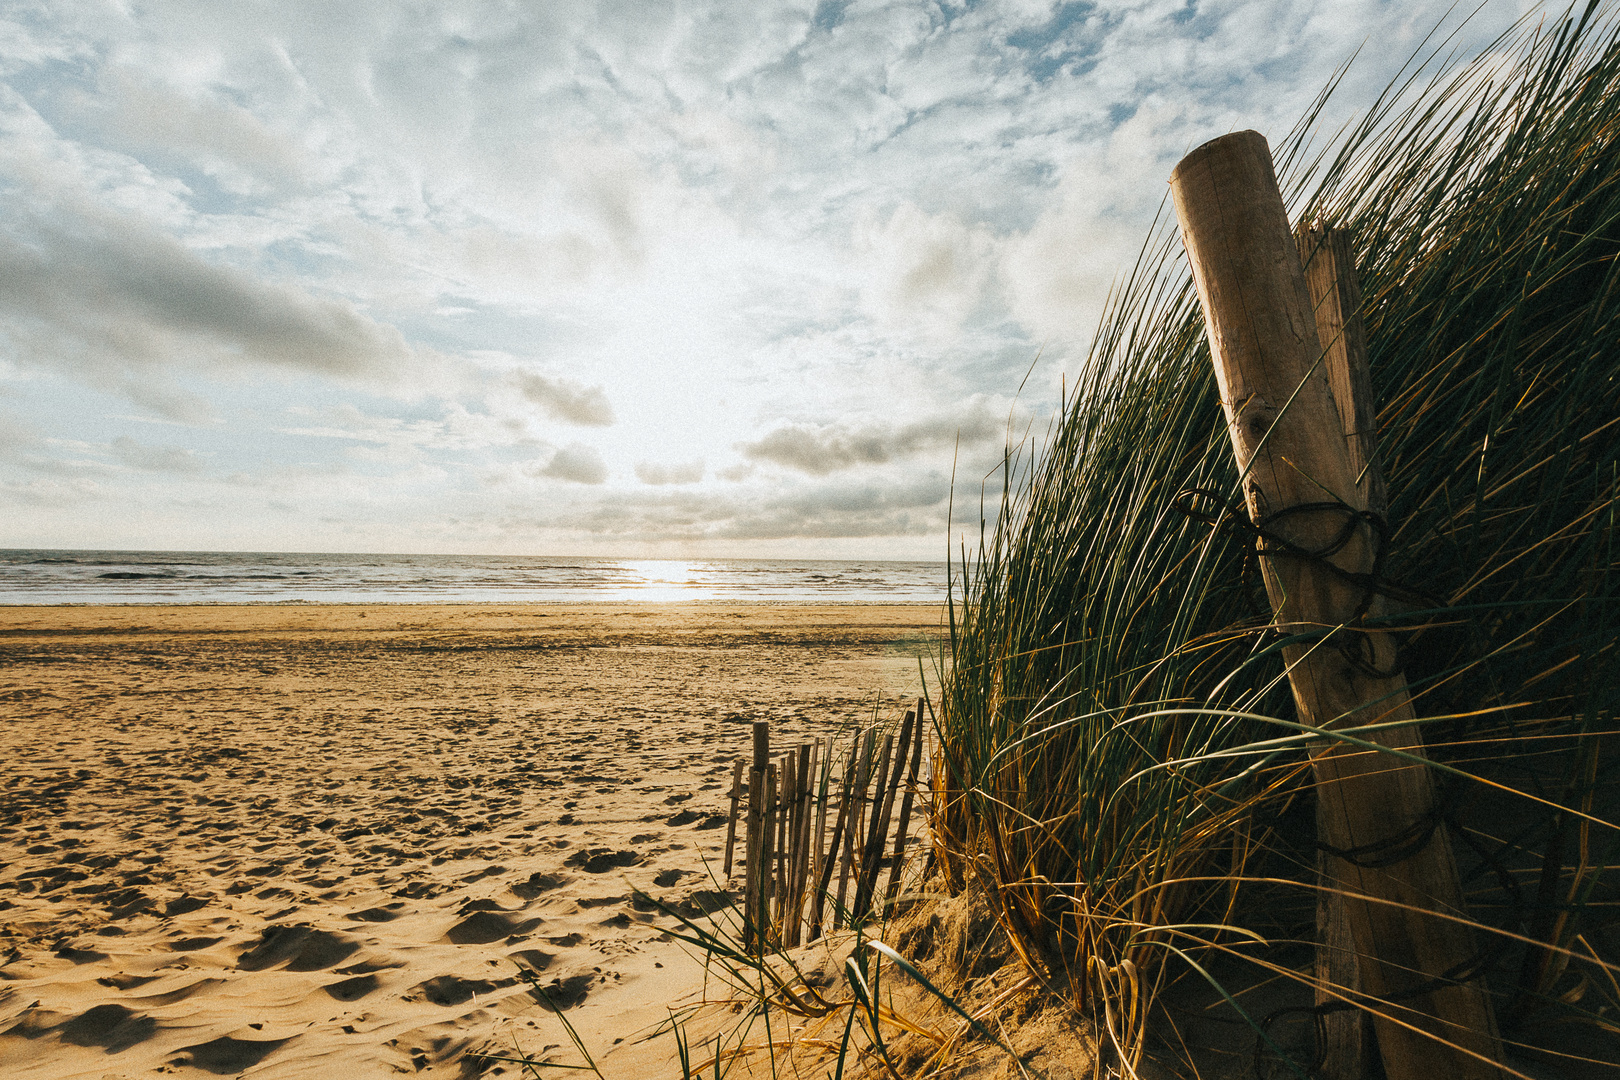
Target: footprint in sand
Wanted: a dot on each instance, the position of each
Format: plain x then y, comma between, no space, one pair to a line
533,959
301,948
352,989
599,860
110,1026
483,927
560,994
537,884
226,1055
452,990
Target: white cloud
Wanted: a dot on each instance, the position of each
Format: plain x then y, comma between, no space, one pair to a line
101,292
577,463
686,472
566,400
821,449
926,269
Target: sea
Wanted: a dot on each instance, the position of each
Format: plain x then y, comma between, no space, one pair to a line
237,577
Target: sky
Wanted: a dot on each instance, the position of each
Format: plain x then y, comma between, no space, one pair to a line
640,279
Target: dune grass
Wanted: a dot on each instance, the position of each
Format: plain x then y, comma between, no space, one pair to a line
1118,767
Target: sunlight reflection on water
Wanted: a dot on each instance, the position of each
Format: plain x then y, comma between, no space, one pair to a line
112,577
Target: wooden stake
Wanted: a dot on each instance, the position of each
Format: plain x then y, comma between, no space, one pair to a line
868,857
857,815
767,859
754,846
887,785
754,894
1330,276
731,820
837,837
900,835
786,773
823,795
1290,447
801,841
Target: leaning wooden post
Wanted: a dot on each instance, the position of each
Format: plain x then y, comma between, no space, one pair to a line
1345,1035
767,861
825,882
731,820
754,890
901,831
1299,485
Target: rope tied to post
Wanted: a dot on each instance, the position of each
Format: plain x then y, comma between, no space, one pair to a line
1263,541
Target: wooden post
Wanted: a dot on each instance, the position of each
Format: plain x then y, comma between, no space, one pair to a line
786,835
767,859
1330,277
888,784
801,841
819,855
1289,444
837,837
755,890
731,820
866,857
1347,1047
857,815
753,845
900,835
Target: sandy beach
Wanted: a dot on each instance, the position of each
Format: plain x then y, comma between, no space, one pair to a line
317,841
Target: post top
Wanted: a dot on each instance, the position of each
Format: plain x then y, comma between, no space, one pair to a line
1223,143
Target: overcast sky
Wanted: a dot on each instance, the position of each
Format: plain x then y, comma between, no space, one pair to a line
552,278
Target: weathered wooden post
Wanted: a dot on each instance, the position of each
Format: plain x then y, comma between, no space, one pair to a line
756,894
839,828
1346,1047
905,807
1299,486
731,820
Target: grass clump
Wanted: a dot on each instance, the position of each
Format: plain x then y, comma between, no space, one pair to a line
1110,771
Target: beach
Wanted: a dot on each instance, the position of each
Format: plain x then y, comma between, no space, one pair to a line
302,840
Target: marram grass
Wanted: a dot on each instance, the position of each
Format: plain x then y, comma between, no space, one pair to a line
1116,769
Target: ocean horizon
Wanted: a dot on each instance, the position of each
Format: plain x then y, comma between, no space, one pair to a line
70,576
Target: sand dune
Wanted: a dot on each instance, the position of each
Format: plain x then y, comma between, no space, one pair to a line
309,841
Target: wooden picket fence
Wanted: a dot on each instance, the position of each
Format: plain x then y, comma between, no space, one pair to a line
789,861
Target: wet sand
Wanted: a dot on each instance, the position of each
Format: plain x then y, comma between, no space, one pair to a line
316,841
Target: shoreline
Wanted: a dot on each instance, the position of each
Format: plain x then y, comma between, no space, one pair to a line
6,605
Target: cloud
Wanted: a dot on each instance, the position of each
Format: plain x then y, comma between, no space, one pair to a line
687,472
577,463
457,430
792,251
148,458
565,399
910,507
99,291
822,449
227,140
906,509
926,268
16,433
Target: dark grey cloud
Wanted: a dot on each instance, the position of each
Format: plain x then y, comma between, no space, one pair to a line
821,510
101,292
828,448
914,508
566,400
577,463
